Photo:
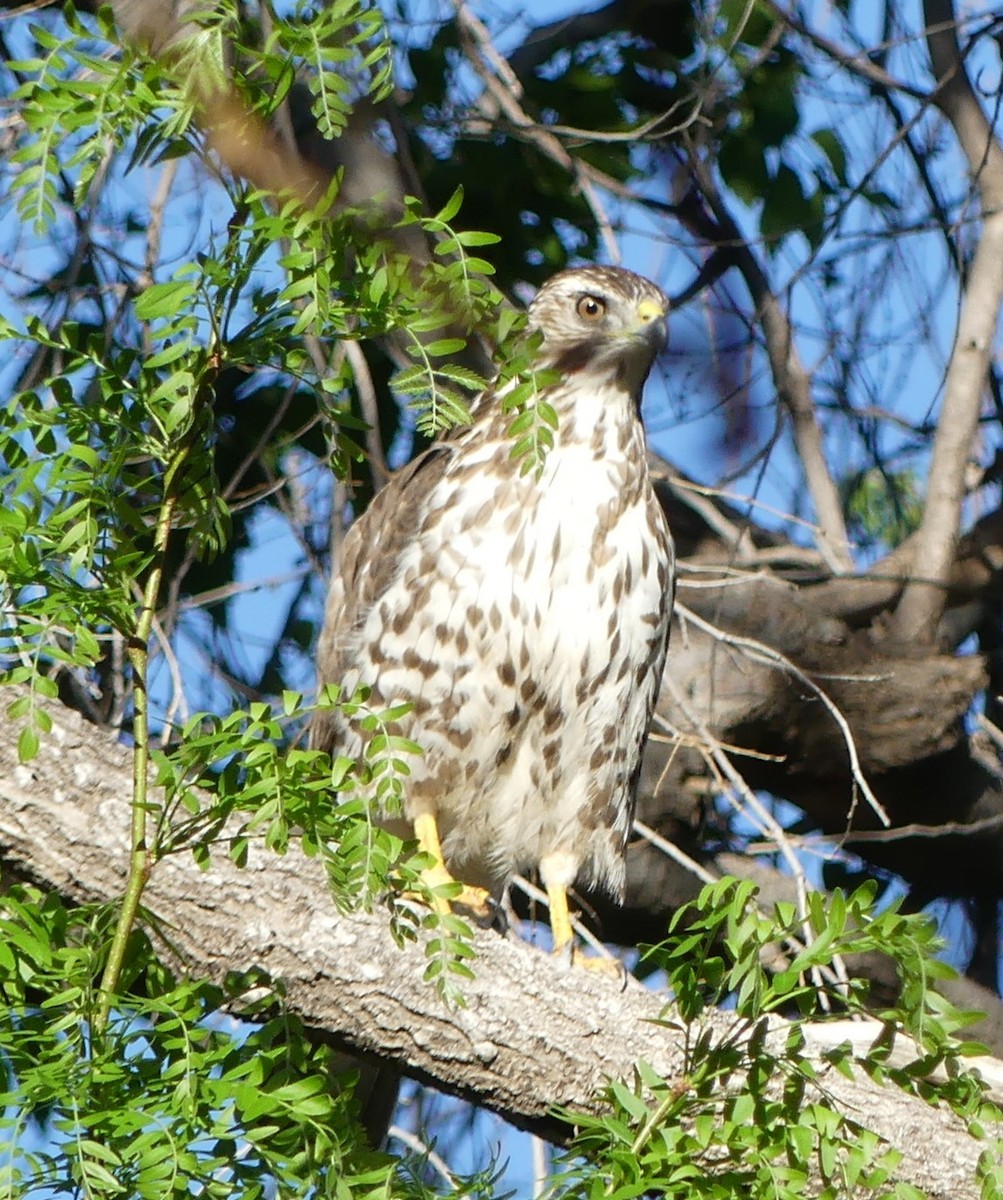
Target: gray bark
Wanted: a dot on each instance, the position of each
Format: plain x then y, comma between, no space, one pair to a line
63,823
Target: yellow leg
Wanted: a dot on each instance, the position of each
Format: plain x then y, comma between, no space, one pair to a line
563,935
560,917
427,833
473,898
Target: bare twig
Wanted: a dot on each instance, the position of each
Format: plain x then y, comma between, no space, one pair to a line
671,850
226,591
427,1152
538,896
902,832
505,89
542,1167
681,485
762,652
862,65
732,785
369,403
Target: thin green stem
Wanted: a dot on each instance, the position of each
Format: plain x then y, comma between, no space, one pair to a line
142,854
652,1121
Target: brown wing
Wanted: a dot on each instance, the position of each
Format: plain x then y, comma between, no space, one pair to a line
368,563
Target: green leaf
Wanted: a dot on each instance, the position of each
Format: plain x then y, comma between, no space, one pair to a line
444,346
451,207
743,167
164,299
787,208
27,744
472,237
831,145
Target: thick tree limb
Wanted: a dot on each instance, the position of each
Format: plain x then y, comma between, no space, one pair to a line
62,823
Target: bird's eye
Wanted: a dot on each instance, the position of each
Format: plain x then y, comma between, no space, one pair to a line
591,308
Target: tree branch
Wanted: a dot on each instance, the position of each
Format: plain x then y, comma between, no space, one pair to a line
790,376
923,600
62,825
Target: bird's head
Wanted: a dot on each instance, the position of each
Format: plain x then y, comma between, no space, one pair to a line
602,319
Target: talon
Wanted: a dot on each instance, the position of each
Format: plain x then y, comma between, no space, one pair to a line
612,968
478,904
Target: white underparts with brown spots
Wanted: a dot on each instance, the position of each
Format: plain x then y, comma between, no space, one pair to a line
525,619
559,718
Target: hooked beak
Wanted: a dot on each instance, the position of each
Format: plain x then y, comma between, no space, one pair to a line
651,320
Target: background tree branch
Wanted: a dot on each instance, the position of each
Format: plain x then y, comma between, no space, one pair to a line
923,600
789,374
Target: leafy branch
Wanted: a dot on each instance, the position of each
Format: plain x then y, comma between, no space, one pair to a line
143,854
750,1113
535,423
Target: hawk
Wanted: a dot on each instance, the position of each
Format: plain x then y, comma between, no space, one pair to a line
524,617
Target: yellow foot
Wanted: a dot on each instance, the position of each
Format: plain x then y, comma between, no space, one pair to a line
473,901
612,968
477,903
564,939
